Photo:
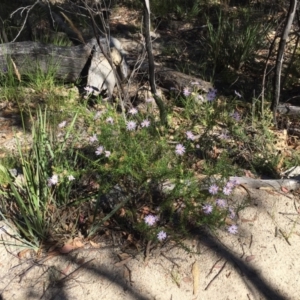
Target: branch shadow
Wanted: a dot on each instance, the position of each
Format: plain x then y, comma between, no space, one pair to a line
247,271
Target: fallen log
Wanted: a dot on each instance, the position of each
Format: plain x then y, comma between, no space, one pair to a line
288,110
29,57
67,63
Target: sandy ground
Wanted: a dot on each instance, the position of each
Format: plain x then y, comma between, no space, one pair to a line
260,262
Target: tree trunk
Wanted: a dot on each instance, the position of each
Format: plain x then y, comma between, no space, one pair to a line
277,80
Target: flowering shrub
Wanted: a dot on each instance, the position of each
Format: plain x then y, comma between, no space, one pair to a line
129,170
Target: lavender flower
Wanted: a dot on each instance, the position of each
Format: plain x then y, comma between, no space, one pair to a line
133,111
93,138
231,213
53,180
149,100
197,146
221,203
190,135
179,149
238,94
71,178
231,184
131,125
145,123
233,229
107,153
227,190
110,120
62,124
207,209
186,92
236,116
211,95
150,220
161,235
213,189
99,150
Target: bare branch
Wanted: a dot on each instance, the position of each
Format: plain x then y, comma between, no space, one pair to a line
28,8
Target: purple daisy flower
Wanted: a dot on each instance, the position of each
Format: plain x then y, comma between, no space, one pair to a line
99,150
93,138
233,229
213,189
145,123
207,209
236,116
179,149
227,190
221,203
186,92
231,213
161,235
131,125
133,111
150,220
190,135
211,95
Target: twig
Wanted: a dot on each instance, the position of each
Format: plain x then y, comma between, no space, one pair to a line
108,57
211,269
170,259
29,8
251,238
280,55
216,276
286,238
147,252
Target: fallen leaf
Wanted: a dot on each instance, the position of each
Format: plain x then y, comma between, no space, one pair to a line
123,262
66,248
94,245
77,243
196,277
26,253
250,258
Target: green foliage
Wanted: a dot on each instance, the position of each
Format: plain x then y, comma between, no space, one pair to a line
232,40
29,192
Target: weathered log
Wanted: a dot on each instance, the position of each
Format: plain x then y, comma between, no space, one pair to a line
67,62
288,110
169,79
